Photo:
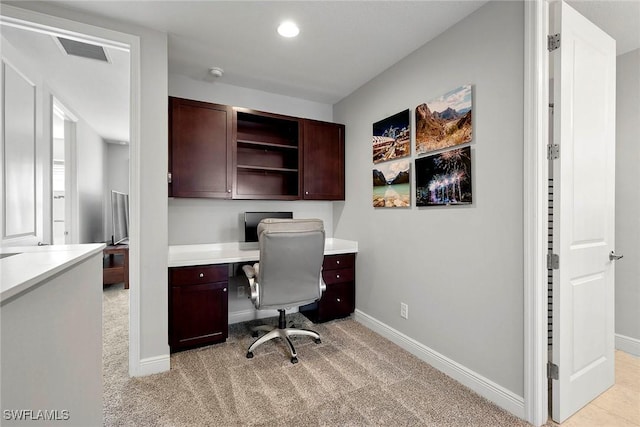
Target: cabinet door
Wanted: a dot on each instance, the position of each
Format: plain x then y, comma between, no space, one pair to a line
198,314
323,171
199,149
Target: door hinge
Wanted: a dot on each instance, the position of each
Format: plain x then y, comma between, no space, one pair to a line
552,371
553,262
169,178
553,151
553,42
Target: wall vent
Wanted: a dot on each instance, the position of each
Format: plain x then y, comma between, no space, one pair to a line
84,50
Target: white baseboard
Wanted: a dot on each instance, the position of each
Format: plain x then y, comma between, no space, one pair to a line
476,382
628,344
153,365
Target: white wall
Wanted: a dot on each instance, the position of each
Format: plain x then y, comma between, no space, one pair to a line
628,203
51,353
460,269
209,220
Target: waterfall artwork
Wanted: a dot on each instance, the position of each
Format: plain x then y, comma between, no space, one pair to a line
391,137
391,185
445,121
444,178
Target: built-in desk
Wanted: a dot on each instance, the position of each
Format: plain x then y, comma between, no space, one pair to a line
199,288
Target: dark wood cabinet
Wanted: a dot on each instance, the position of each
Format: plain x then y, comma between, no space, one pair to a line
266,156
338,300
198,305
115,265
218,151
323,177
199,149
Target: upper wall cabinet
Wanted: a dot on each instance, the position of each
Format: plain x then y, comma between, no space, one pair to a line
219,151
199,149
267,156
323,177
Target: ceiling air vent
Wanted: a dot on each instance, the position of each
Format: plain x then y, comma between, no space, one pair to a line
84,50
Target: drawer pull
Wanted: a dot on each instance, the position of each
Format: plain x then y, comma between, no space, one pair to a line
224,289
338,299
337,276
337,261
201,275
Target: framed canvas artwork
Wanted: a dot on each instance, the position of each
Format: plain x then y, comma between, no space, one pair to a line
445,121
392,137
444,178
392,185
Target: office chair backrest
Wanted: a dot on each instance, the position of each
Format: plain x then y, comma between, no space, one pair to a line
291,256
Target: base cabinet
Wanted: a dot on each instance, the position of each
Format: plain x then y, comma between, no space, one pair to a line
338,300
198,305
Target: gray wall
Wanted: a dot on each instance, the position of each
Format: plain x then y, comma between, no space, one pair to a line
628,199
460,269
117,172
91,176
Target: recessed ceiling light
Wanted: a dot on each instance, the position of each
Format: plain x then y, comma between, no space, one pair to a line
288,29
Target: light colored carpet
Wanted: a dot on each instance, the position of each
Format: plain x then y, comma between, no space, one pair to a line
354,377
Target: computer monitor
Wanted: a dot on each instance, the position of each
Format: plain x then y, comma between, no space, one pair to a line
251,220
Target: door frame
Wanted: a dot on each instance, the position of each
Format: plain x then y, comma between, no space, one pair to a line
35,21
536,128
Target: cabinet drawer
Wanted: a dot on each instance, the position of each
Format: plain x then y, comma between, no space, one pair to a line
332,262
198,274
338,276
337,301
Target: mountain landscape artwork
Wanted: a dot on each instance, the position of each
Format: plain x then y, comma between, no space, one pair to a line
391,137
445,121
391,185
444,178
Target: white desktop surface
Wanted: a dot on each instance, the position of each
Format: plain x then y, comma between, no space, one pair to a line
33,264
223,253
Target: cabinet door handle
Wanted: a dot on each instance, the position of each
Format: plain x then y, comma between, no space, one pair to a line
338,299
337,276
224,289
201,275
338,261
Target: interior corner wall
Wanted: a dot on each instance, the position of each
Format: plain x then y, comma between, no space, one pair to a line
459,268
627,304
193,220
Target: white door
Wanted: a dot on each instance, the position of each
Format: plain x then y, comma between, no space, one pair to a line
584,127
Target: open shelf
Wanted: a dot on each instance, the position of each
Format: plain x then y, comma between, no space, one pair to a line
267,156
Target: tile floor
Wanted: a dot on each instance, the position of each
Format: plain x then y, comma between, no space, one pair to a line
620,405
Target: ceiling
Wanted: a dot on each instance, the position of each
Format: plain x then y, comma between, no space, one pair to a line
341,46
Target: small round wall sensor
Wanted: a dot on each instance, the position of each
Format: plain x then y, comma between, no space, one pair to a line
216,71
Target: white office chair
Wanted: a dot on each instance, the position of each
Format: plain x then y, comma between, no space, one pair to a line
289,273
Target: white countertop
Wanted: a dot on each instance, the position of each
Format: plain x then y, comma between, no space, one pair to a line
223,253
33,264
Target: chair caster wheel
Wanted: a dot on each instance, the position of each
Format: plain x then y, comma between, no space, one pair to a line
318,341
249,355
294,360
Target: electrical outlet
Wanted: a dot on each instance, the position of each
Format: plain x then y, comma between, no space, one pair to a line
404,310
241,293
